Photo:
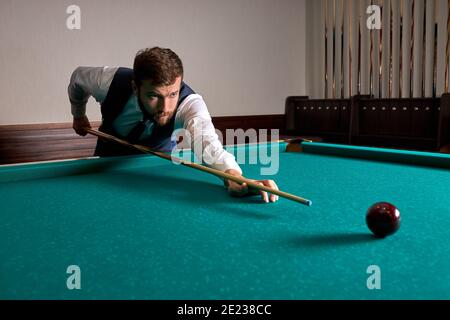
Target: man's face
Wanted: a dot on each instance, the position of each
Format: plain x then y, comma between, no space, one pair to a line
160,102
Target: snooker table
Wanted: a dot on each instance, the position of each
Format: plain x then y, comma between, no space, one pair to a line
140,227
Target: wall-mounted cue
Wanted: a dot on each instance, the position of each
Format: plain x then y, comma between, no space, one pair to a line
200,167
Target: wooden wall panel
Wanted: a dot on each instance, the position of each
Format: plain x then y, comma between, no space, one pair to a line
55,141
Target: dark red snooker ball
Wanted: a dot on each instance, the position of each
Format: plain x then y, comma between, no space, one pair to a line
383,219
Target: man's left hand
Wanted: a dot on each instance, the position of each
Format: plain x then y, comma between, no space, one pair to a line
240,190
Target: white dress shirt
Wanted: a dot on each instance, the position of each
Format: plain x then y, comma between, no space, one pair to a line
191,115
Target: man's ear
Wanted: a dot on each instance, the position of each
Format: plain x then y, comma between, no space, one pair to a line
133,85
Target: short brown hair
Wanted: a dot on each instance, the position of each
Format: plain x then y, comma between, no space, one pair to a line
159,65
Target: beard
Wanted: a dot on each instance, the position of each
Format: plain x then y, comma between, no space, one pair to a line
162,119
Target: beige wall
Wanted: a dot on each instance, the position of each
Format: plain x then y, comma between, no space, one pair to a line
243,56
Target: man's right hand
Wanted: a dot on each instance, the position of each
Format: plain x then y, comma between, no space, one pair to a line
79,125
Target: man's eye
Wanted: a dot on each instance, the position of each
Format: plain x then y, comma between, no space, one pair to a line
173,95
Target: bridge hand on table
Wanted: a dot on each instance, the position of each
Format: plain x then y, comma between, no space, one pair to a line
240,190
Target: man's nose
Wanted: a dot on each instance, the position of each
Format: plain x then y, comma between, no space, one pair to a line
163,105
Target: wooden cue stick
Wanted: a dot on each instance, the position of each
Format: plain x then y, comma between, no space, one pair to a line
200,167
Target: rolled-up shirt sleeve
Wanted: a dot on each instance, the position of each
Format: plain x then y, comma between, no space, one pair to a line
84,83
204,139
